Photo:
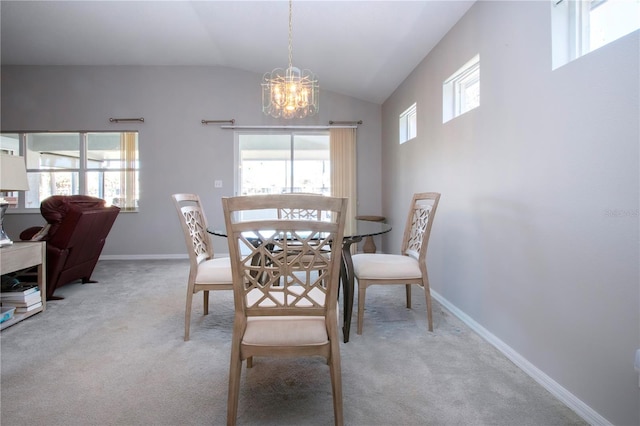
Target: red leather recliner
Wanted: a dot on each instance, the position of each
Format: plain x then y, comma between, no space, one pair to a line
78,229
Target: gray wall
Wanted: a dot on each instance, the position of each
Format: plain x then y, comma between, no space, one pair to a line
178,153
536,237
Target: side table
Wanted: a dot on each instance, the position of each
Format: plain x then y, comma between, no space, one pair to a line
23,255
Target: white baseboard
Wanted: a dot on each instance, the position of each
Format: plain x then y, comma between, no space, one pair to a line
143,256
566,397
151,256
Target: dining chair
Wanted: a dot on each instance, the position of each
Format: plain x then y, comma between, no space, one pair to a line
206,272
410,266
299,213
285,305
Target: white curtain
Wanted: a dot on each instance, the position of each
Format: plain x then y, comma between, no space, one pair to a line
342,147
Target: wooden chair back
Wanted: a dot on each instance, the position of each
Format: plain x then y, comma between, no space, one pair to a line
273,274
419,222
194,227
293,213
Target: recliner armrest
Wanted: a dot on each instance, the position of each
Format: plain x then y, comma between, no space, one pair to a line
29,233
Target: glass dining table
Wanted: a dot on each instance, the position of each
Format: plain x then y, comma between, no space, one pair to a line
360,230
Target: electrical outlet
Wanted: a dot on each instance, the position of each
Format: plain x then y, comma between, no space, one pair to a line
217,183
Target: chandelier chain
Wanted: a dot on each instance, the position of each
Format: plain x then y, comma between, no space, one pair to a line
290,33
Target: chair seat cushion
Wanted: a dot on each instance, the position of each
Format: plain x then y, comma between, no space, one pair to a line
214,271
285,331
385,266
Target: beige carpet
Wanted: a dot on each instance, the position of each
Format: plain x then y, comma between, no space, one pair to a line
113,353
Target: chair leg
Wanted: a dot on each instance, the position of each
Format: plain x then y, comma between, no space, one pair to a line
205,302
336,384
427,293
408,290
187,313
235,370
362,288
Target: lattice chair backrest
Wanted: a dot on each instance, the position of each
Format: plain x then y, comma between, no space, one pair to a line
300,213
194,226
418,228
285,266
288,213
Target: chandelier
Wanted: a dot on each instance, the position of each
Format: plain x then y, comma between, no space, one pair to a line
290,93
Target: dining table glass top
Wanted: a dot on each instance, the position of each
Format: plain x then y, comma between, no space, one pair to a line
361,229
367,228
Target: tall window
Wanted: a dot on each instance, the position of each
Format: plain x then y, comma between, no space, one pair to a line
100,164
461,91
275,163
408,124
581,26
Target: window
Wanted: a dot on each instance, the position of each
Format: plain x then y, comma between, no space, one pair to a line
582,26
461,91
275,163
100,164
408,124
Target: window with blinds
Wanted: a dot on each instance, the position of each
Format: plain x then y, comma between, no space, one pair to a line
100,164
283,161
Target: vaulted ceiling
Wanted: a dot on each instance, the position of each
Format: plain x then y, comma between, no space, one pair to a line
363,49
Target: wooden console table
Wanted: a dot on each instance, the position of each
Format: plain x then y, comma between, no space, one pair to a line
23,255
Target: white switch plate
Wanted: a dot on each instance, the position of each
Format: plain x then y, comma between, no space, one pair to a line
217,183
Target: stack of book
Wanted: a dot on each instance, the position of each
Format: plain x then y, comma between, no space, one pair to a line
24,298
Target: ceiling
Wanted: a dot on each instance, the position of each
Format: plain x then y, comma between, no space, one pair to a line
363,49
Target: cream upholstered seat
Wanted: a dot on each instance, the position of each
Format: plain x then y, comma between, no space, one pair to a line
206,273
409,267
285,277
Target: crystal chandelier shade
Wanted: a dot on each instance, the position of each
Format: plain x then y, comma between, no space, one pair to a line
290,93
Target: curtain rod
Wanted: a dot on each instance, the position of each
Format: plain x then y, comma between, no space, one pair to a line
118,120
232,121
285,127
332,125
352,123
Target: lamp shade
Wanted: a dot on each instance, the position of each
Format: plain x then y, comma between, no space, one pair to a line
13,173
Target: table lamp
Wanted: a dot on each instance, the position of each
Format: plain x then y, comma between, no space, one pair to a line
13,177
